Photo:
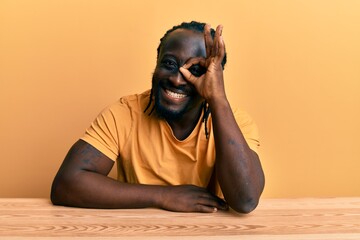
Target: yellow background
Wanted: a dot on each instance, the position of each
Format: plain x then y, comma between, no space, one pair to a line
294,65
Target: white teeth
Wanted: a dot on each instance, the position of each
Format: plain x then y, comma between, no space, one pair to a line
175,95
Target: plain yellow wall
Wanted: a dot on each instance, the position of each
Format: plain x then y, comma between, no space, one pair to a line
294,65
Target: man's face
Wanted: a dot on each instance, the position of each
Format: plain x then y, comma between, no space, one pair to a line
174,96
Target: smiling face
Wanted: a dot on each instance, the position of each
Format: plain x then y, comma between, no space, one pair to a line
174,96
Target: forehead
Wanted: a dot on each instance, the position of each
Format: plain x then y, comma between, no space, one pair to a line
184,43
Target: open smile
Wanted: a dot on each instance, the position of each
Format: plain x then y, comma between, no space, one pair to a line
174,94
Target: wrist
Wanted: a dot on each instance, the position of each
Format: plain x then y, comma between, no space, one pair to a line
218,102
159,196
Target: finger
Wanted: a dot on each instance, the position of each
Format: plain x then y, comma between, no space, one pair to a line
185,68
221,51
219,30
208,39
213,201
193,61
221,204
188,75
205,209
215,47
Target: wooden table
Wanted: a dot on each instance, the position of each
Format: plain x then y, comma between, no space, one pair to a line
280,219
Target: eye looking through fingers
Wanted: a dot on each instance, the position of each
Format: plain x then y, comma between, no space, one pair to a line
197,70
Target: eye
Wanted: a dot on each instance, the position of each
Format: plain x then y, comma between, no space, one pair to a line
170,64
197,70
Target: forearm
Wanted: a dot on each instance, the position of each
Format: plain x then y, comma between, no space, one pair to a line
238,167
93,190
96,191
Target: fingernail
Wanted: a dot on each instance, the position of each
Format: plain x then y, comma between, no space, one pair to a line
215,209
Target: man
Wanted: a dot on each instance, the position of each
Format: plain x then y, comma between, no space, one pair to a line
172,152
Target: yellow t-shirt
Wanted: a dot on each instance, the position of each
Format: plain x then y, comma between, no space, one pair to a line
146,150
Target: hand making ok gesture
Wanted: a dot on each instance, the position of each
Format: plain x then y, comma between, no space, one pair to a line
211,84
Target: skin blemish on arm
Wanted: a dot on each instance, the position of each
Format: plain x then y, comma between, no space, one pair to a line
231,142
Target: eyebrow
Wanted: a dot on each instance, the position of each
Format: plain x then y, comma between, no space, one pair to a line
168,55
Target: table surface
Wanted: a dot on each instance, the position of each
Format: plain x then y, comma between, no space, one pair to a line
310,218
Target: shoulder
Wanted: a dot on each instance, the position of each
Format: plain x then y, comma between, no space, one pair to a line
245,121
130,103
248,127
125,110
242,117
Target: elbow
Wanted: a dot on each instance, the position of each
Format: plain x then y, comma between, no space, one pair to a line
55,200
58,191
55,195
246,203
245,206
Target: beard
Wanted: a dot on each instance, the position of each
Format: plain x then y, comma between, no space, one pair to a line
164,112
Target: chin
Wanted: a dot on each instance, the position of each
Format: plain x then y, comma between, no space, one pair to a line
167,113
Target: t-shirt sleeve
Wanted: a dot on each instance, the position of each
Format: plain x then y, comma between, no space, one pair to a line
110,129
249,129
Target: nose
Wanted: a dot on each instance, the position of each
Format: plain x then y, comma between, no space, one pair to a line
177,79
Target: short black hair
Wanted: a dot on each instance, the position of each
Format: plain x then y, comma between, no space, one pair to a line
193,26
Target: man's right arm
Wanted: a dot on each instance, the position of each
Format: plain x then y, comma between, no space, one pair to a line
82,181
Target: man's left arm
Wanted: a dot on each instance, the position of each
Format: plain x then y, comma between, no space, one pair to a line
238,168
